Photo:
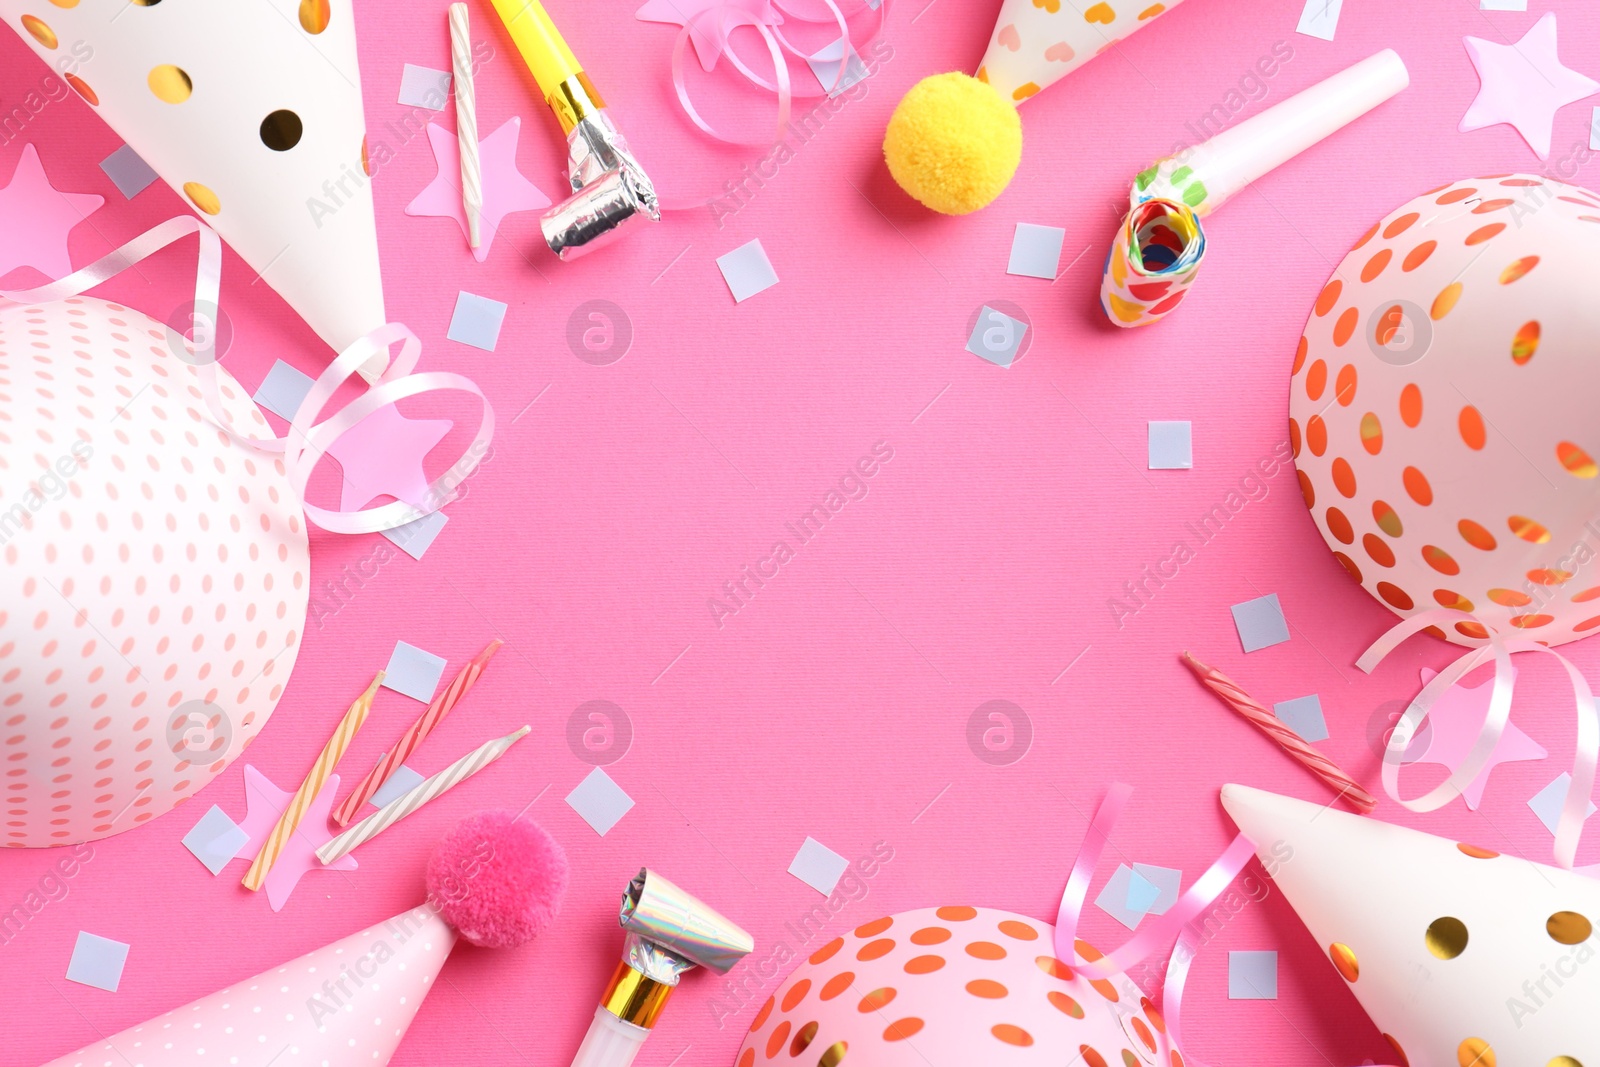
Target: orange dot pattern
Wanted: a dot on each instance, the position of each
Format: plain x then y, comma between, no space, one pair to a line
1417,473
891,980
175,549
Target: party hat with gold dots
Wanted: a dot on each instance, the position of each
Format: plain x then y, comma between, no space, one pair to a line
1461,956
252,113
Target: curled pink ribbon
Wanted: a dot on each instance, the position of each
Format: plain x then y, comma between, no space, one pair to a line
303,446
728,16
1500,647
1181,920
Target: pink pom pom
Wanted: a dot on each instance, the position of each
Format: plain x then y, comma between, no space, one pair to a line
498,879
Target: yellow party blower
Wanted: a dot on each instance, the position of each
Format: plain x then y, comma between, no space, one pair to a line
609,188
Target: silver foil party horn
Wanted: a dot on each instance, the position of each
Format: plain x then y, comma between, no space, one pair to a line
667,932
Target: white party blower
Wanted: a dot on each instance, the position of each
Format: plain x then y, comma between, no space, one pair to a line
1160,244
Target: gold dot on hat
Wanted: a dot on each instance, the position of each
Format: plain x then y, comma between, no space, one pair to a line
1475,1052
835,1055
1344,958
281,130
1447,937
314,15
40,31
1563,1061
203,198
1569,928
170,83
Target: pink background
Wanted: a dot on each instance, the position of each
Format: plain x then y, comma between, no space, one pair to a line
978,567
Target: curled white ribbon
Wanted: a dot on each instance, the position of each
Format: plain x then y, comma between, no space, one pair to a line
307,440
1500,647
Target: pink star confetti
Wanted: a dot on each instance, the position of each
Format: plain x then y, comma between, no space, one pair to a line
382,456
505,190
710,21
1456,720
1524,85
264,803
36,218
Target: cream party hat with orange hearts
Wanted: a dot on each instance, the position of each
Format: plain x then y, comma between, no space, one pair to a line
1036,43
252,114
347,1003
1461,956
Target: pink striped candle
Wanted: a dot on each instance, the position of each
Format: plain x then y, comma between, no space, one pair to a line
413,737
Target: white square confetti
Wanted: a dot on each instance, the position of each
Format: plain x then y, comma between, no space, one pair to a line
97,961
824,63
997,337
283,390
747,270
1549,801
600,801
1304,716
1320,18
413,671
128,172
476,321
414,537
215,839
1252,976
818,866
397,785
1036,251
1261,623
424,87
1171,446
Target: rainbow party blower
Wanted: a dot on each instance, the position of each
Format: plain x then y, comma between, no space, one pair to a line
1160,244
955,141
668,932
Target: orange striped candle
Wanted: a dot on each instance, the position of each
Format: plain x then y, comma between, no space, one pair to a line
329,758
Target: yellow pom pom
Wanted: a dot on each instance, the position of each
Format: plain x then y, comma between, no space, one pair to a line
953,143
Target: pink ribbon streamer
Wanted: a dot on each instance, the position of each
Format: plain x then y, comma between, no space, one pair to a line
1153,935
730,16
303,446
1499,646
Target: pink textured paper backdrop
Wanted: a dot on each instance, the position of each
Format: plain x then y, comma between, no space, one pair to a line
978,567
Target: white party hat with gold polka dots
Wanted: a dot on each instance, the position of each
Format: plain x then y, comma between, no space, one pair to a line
252,114
1462,957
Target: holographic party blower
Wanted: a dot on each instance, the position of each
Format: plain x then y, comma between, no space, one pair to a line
668,932
1160,245
609,188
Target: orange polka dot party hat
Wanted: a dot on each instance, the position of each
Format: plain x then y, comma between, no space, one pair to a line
1441,409
252,114
958,985
1460,955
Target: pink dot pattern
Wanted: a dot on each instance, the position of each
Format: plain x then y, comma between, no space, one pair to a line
152,567
1442,408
